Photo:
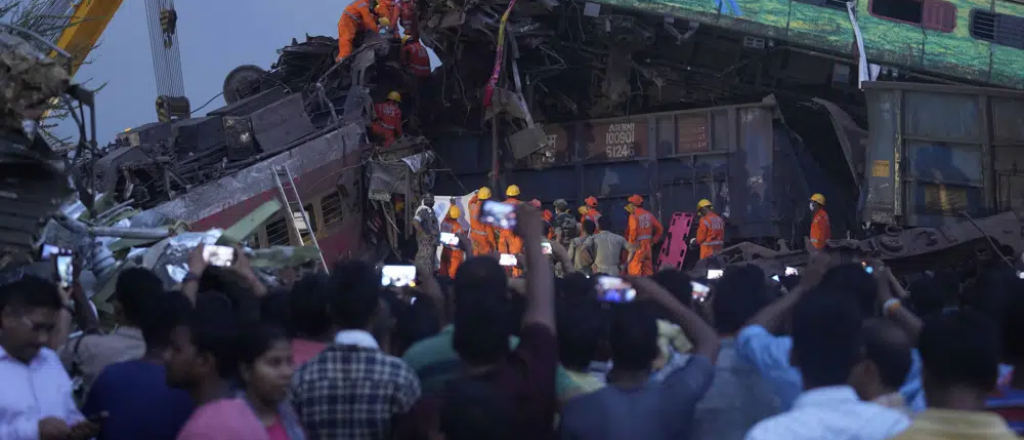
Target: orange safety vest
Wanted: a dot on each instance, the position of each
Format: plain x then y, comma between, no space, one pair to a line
710,234
388,122
643,231
509,242
821,230
414,56
592,215
408,19
450,258
358,17
480,233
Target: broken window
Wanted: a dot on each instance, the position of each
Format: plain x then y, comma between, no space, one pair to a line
300,223
936,15
330,206
1003,29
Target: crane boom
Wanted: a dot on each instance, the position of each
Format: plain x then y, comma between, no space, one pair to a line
88,21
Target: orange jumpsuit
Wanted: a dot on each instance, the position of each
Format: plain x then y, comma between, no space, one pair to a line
388,122
408,19
710,234
450,258
821,230
414,57
358,17
643,231
510,243
592,215
548,218
480,233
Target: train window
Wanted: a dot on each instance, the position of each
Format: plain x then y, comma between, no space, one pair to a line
300,223
330,206
277,232
1002,29
936,15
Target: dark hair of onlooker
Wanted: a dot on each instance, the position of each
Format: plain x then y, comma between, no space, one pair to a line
739,294
633,337
481,312
677,283
604,223
475,410
589,227
356,294
992,291
854,281
135,286
255,339
582,328
231,285
274,308
826,337
886,345
309,302
161,315
214,330
959,349
1013,328
30,292
926,297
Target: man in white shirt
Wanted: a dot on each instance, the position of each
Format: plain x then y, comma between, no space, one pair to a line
36,401
827,330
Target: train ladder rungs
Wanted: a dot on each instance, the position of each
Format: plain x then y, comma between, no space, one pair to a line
292,203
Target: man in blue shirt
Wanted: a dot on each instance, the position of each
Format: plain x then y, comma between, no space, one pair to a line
134,395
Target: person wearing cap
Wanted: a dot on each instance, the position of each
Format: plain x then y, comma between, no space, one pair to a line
366,16
589,211
821,229
451,256
481,234
508,241
643,231
710,230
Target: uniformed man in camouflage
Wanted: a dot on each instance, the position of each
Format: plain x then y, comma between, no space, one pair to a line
566,227
428,234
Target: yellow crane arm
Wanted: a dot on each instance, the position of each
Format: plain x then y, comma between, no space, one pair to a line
87,23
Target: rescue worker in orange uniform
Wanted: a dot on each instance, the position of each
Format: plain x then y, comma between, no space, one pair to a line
508,242
710,230
821,229
363,16
414,57
451,256
480,233
407,18
549,219
644,230
387,121
589,212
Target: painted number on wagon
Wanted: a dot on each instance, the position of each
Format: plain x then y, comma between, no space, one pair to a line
619,140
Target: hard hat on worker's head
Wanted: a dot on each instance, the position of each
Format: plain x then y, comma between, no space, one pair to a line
405,38
636,200
484,193
819,199
535,203
591,201
582,210
703,203
384,21
395,96
512,191
454,212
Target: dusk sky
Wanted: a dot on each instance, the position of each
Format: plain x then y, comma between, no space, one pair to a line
214,37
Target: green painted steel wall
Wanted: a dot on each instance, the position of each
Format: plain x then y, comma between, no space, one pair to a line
954,53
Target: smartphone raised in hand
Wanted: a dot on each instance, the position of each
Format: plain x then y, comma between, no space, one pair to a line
714,274
216,255
449,239
502,215
614,290
508,260
394,275
65,270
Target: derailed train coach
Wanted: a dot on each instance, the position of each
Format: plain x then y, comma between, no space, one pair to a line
744,158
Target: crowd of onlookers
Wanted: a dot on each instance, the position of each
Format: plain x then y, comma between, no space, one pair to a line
833,353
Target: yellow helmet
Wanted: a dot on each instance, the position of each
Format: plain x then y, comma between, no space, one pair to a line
405,38
582,210
820,199
484,193
384,21
702,203
395,96
512,191
454,212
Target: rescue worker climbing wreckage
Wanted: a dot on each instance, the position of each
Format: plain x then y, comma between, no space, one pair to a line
387,120
509,242
643,231
428,234
710,231
481,234
451,256
414,57
366,16
821,229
